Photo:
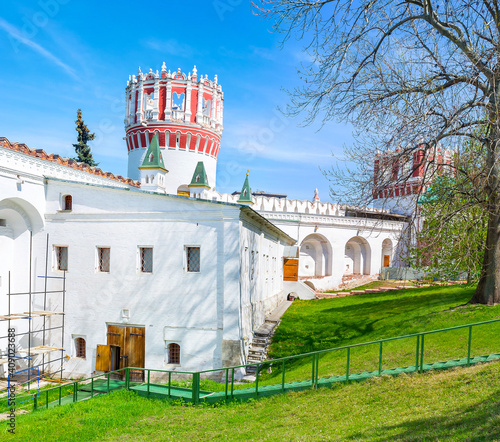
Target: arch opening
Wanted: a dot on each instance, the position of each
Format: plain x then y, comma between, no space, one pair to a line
316,256
357,257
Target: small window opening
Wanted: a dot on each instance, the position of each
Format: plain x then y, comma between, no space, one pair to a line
174,354
61,258
80,347
68,202
146,257
103,259
193,259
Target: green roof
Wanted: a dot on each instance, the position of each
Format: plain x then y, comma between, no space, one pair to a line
246,192
153,158
200,176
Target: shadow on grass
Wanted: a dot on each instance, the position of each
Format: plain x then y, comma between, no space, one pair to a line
472,423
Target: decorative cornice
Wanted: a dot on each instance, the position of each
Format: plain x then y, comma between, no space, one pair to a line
66,162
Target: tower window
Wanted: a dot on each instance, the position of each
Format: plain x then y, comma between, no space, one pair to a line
61,258
193,259
103,259
80,348
146,259
174,353
68,202
177,139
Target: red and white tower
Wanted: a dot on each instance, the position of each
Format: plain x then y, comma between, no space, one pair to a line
186,113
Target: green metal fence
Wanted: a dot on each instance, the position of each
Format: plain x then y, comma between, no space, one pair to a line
464,345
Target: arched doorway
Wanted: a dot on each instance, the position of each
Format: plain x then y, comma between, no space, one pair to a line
357,257
315,256
387,253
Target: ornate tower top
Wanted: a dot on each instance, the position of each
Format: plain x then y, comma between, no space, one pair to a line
186,113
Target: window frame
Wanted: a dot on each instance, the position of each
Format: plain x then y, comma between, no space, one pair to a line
57,258
140,261
168,353
64,202
98,266
76,340
186,258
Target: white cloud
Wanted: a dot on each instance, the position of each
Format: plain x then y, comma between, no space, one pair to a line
16,34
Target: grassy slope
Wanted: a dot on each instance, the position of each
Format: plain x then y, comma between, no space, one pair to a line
452,405
327,323
439,405
315,325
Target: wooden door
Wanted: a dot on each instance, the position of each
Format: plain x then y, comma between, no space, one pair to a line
386,260
103,358
135,348
132,348
290,269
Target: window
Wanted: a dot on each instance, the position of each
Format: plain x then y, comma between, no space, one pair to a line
80,348
146,259
68,202
174,353
61,253
103,259
193,259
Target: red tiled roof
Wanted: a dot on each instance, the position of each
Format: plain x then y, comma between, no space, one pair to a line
68,162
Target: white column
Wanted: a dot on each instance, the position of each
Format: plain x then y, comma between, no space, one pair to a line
156,99
168,103
187,107
199,109
140,104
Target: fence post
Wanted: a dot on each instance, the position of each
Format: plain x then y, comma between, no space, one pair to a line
416,356
227,383
46,399
313,370
34,401
232,382
317,369
149,378
283,375
60,394
422,355
257,380
380,359
75,392
169,382
469,345
348,357
127,378
108,383
196,388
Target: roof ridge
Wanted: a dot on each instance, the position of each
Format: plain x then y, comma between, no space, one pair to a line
64,161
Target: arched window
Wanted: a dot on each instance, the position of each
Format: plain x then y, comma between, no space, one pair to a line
174,354
68,202
80,348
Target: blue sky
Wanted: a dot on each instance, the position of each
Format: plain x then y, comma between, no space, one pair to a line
61,55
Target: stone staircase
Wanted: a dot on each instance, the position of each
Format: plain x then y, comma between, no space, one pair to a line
262,337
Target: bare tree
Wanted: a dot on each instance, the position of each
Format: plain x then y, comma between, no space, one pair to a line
409,75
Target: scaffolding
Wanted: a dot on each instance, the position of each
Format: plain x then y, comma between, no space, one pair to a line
31,353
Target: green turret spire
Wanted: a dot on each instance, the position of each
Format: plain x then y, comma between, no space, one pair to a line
246,192
153,158
200,176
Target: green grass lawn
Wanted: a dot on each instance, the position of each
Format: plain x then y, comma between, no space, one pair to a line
437,405
461,404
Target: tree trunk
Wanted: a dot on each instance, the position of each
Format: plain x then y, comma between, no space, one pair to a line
488,288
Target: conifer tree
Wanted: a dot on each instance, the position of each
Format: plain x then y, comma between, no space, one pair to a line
84,155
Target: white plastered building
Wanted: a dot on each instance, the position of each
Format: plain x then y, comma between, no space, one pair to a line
165,272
